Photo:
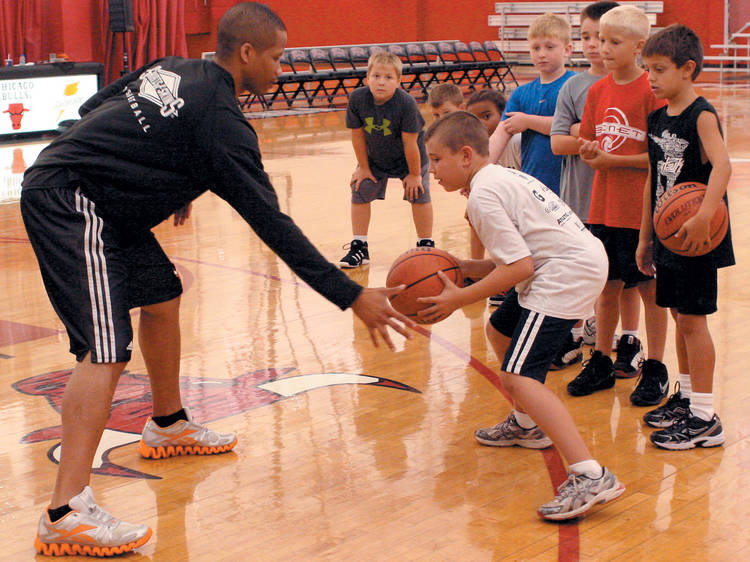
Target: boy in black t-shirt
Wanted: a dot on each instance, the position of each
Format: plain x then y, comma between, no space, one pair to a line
685,144
389,143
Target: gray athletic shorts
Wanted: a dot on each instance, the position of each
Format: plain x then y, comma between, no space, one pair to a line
369,190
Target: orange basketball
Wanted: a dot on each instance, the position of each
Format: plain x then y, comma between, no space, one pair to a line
417,269
677,205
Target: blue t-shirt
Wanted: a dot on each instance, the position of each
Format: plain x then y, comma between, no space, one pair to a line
537,158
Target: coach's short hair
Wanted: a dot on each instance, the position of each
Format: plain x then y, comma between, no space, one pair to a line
248,22
386,58
458,129
629,18
679,44
550,25
446,92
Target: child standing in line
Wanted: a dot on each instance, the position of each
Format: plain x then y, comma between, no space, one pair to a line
613,142
685,144
387,136
530,107
576,180
553,270
445,98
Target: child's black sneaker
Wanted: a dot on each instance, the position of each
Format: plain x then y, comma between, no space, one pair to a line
571,353
597,374
629,357
691,431
675,408
496,300
357,255
653,385
426,243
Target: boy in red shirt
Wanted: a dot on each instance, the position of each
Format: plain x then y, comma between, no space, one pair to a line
613,142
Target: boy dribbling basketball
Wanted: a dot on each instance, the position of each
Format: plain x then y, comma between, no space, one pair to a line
539,257
685,144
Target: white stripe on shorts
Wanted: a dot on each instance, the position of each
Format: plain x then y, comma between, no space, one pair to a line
96,269
525,341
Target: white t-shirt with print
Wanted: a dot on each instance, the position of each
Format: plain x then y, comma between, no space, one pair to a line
516,216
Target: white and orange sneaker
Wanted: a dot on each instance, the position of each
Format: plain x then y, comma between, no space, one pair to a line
88,530
183,438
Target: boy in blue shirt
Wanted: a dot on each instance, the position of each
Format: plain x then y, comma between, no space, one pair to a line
530,107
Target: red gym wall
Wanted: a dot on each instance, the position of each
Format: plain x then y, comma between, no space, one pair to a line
74,26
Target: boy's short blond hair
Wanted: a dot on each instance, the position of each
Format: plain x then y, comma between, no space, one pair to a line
385,58
550,25
447,92
628,18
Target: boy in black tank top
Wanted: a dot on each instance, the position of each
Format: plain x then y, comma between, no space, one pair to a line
685,144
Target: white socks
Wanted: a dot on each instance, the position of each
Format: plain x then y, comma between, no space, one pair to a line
577,333
702,405
589,468
686,388
360,238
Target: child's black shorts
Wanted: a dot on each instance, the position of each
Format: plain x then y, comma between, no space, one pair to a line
536,338
93,273
693,292
620,244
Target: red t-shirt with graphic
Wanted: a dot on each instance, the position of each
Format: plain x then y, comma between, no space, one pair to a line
615,115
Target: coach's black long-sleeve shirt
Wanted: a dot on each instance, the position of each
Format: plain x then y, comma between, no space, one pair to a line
155,139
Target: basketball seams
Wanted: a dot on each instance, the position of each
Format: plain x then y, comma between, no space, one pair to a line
418,281
671,211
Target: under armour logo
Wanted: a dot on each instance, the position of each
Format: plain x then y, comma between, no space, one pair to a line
370,127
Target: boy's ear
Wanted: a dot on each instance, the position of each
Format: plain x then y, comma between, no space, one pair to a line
569,49
689,67
467,154
639,45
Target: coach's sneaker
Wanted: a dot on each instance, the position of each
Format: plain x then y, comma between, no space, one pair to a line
424,243
597,374
508,433
579,493
689,432
496,300
653,385
589,331
629,357
88,530
358,255
184,437
571,353
675,408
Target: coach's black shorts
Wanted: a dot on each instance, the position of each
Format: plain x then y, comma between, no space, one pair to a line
620,244
694,292
93,273
536,338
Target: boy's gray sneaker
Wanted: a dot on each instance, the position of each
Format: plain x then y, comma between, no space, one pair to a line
579,493
508,433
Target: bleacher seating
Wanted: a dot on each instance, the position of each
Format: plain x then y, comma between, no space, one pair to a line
326,75
513,19
735,56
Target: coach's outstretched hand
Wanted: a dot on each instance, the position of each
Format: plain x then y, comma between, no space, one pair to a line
375,310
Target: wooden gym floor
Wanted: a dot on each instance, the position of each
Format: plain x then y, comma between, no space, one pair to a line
348,452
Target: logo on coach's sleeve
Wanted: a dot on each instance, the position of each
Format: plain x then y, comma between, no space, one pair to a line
161,87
